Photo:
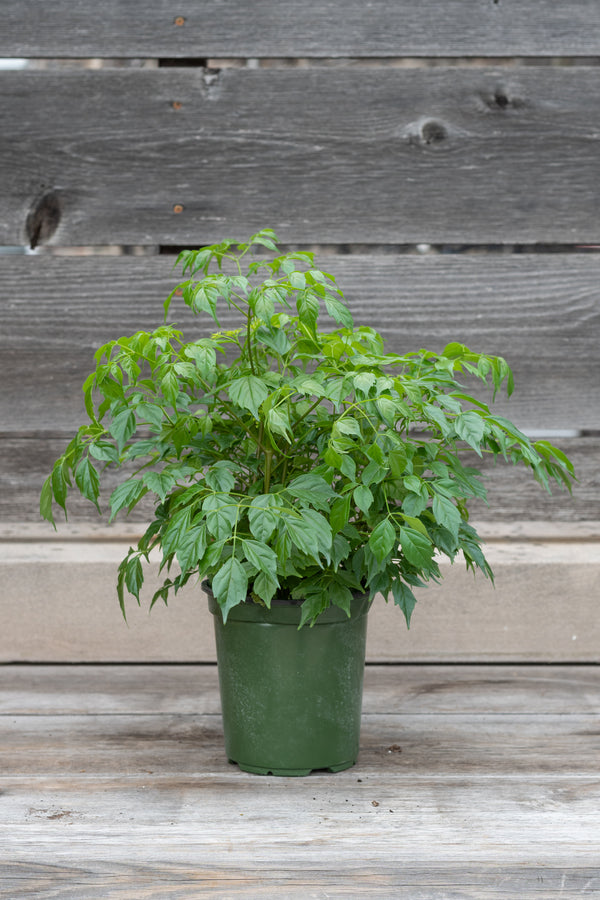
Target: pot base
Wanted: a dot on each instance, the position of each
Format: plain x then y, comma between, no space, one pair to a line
291,773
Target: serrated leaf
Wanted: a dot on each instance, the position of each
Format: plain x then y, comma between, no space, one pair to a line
230,585
265,586
249,392
404,598
383,540
311,533
262,557
126,495
347,425
123,427
417,549
340,513
204,356
261,517
338,311
470,427
221,515
364,381
191,547
446,514
88,481
311,489
278,422
341,596
46,500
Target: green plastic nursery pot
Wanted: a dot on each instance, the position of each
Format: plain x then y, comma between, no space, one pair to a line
291,699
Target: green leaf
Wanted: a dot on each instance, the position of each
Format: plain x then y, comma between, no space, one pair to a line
339,595
176,529
134,575
382,539
127,495
104,452
446,514
230,585
364,381
347,425
311,489
46,500
263,558
249,392
363,497
261,517
123,427
311,533
221,514
340,513
88,481
265,586
191,547
404,598
338,311
417,549
470,427
220,477
278,422
205,357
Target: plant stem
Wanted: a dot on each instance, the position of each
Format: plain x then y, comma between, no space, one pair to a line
268,461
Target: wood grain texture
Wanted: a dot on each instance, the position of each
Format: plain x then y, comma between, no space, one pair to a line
326,28
542,312
322,154
513,495
51,690
499,800
59,604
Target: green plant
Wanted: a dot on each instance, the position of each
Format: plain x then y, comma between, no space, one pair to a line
311,464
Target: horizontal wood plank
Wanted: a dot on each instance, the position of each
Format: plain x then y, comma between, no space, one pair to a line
324,28
542,312
59,604
334,155
195,881
157,690
174,746
513,495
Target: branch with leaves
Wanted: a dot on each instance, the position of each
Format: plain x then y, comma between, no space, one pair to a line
311,466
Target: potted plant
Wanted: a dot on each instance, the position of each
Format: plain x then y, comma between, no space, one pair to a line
299,476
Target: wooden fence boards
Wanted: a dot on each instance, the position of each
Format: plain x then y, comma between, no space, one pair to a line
315,28
541,312
323,155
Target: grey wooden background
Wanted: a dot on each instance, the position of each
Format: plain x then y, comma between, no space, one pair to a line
362,131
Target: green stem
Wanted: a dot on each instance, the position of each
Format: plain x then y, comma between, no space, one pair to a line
268,461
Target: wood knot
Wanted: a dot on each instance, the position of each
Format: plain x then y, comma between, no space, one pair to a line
44,218
433,132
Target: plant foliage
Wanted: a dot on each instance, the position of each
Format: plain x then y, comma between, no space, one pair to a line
284,459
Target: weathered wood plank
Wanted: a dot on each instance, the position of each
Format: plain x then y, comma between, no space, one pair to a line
512,494
542,312
176,746
59,604
195,881
432,690
321,29
330,155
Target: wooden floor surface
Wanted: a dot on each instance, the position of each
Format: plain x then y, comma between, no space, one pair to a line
472,782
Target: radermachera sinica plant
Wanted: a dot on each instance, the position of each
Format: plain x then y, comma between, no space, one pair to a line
286,461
